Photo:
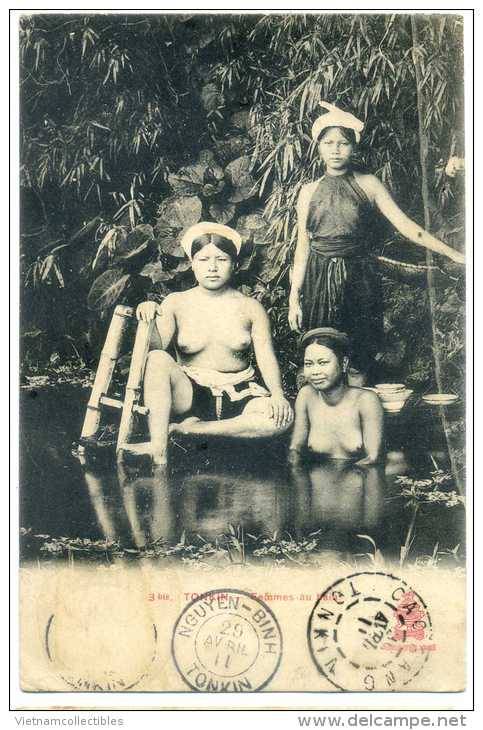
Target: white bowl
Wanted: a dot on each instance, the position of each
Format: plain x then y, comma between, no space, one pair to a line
440,399
394,406
390,387
401,395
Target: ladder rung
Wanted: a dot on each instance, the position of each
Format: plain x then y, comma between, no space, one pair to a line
143,447
116,403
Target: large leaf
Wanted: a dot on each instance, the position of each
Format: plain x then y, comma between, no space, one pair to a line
222,212
189,180
180,211
168,239
134,243
182,267
211,98
231,147
211,189
253,228
239,174
155,272
107,289
214,173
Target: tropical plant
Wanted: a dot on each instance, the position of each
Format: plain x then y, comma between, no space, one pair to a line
133,127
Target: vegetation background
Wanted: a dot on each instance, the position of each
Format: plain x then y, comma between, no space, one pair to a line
135,127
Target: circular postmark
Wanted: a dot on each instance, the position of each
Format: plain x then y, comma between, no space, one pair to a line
227,641
101,658
370,632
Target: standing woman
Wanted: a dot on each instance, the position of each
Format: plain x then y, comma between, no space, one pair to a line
334,280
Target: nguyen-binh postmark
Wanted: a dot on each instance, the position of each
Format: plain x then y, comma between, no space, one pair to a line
374,634
227,641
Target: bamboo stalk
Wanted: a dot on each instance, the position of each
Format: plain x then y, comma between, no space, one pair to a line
109,355
134,382
423,152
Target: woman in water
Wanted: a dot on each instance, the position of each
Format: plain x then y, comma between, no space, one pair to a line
213,328
334,280
333,419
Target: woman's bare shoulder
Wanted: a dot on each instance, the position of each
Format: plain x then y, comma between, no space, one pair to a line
369,183
366,398
250,305
174,300
305,394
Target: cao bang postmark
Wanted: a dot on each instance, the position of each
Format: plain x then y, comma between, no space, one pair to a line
227,641
370,632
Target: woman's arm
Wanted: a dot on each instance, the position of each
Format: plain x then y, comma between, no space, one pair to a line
300,433
372,422
407,227
268,364
165,318
300,259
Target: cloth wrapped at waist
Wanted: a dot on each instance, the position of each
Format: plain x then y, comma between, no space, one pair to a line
333,254
224,383
337,247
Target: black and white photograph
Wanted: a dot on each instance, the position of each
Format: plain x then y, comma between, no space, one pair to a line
243,251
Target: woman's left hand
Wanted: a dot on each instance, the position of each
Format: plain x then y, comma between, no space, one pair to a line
280,410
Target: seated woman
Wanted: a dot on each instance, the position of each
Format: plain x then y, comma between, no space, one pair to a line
332,418
213,327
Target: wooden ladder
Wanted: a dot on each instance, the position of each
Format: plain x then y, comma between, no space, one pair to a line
99,396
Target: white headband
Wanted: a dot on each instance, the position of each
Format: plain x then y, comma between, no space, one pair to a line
336,118
205,228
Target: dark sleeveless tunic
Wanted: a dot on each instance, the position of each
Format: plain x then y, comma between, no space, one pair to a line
341,286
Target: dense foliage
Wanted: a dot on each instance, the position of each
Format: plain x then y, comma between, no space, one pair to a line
134,127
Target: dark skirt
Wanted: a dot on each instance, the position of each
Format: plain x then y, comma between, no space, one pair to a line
346,293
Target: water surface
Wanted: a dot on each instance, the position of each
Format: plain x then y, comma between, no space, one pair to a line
216,491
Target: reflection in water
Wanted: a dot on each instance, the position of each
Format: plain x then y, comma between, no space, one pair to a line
149,507
335,498
339,499
210,489
210,502
340,494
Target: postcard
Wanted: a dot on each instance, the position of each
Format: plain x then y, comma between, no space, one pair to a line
243,355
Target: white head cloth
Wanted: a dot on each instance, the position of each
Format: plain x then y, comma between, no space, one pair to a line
335,117
206,228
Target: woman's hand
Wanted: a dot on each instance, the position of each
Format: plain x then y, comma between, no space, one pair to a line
147,311
280,410
366,461
295,315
